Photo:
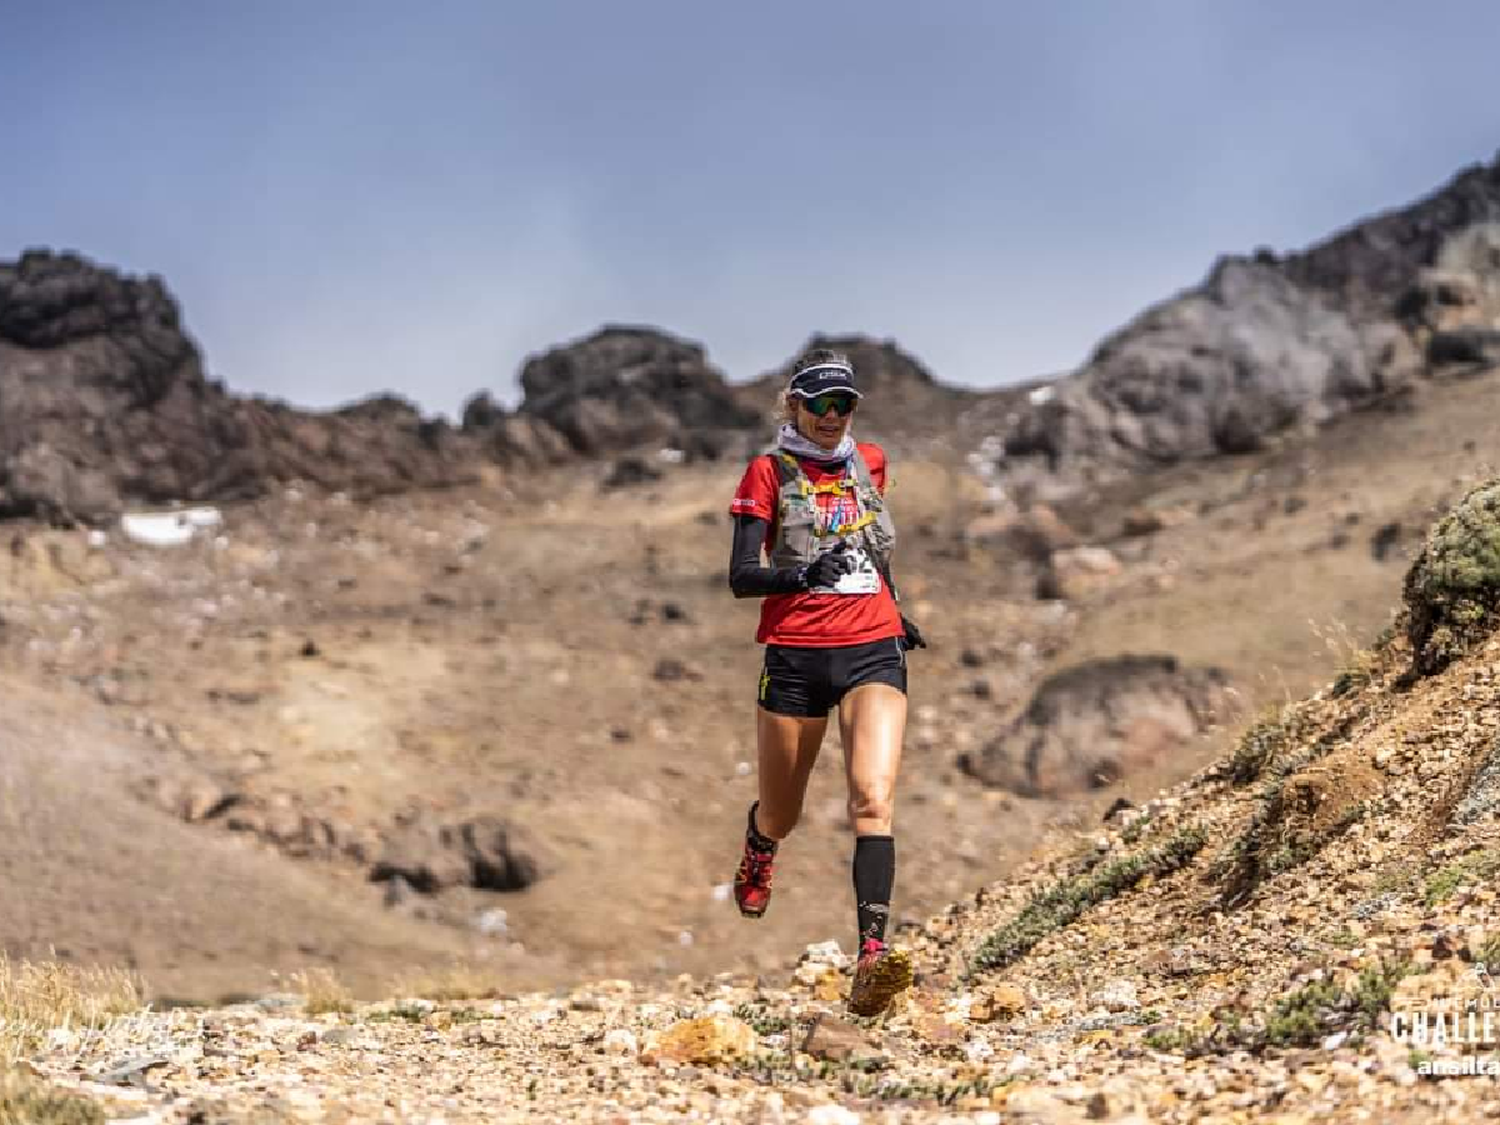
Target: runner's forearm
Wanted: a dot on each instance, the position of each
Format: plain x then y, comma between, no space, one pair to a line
747,577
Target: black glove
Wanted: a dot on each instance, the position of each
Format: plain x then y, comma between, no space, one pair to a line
913,634
828,568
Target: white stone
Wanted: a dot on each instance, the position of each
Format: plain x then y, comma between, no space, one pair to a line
832,1115
1118,996
824,953
492,922
620,1041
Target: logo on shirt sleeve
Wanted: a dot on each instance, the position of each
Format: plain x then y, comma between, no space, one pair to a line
743,505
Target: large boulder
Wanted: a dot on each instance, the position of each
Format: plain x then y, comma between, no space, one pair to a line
1099,721
485,852
1218,369
620,389
1269,342
104,404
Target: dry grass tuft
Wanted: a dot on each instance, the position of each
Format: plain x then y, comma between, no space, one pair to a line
324,991
456,982
25,1100
36,997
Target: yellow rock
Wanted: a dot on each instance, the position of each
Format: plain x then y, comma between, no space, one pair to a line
711,1039
1005,1000
829,986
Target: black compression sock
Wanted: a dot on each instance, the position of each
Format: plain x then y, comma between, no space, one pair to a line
752,833
874,876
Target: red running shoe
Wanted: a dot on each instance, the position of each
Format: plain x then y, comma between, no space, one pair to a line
881,975
752,882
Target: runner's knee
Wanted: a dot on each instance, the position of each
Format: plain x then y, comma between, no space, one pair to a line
871,804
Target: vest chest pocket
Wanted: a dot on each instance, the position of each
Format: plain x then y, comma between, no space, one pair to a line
795,535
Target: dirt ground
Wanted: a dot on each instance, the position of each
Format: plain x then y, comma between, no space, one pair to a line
499,650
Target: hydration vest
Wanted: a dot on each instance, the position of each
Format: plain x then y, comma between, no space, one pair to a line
800,534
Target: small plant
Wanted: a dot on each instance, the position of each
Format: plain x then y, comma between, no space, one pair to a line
1137,828
456,982
1321,1008
1397,879
1061,904
412,1013
1489,953
1476,867
1174,1039
1300,1019
1259,745
324,991
763,1020
1376,985
1303,1018
1271,842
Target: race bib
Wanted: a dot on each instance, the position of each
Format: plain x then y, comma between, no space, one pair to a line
863,578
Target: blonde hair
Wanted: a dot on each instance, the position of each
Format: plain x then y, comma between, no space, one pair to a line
786,402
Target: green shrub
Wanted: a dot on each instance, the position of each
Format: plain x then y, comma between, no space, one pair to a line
1453,588
1476,867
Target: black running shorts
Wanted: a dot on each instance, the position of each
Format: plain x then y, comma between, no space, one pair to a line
809,681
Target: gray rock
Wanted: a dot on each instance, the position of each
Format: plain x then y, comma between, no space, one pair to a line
131,1071
1097,722
104,404
1266,343
1218,369
485,852
618,389
838,1040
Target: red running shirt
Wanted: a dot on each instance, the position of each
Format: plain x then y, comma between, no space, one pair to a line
815,620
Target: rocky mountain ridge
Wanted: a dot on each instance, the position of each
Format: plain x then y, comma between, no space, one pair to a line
104,401
1267,343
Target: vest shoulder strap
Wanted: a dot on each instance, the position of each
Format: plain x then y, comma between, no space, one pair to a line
787,468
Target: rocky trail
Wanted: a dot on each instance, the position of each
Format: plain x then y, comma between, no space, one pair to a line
1299,932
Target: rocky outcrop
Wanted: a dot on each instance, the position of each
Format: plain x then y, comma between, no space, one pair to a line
1097,722
1266,343
902,399
484,852
104,403
1218,369
619,389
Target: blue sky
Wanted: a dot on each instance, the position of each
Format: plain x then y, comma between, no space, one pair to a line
359,197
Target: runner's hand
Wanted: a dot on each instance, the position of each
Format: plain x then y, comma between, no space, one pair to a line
913,634
828,568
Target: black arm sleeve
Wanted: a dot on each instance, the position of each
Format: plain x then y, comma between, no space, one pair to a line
747,578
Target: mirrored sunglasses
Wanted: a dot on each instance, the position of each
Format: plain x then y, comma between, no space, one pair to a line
842,405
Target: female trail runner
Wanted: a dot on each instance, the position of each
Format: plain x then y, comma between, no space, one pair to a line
834,638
